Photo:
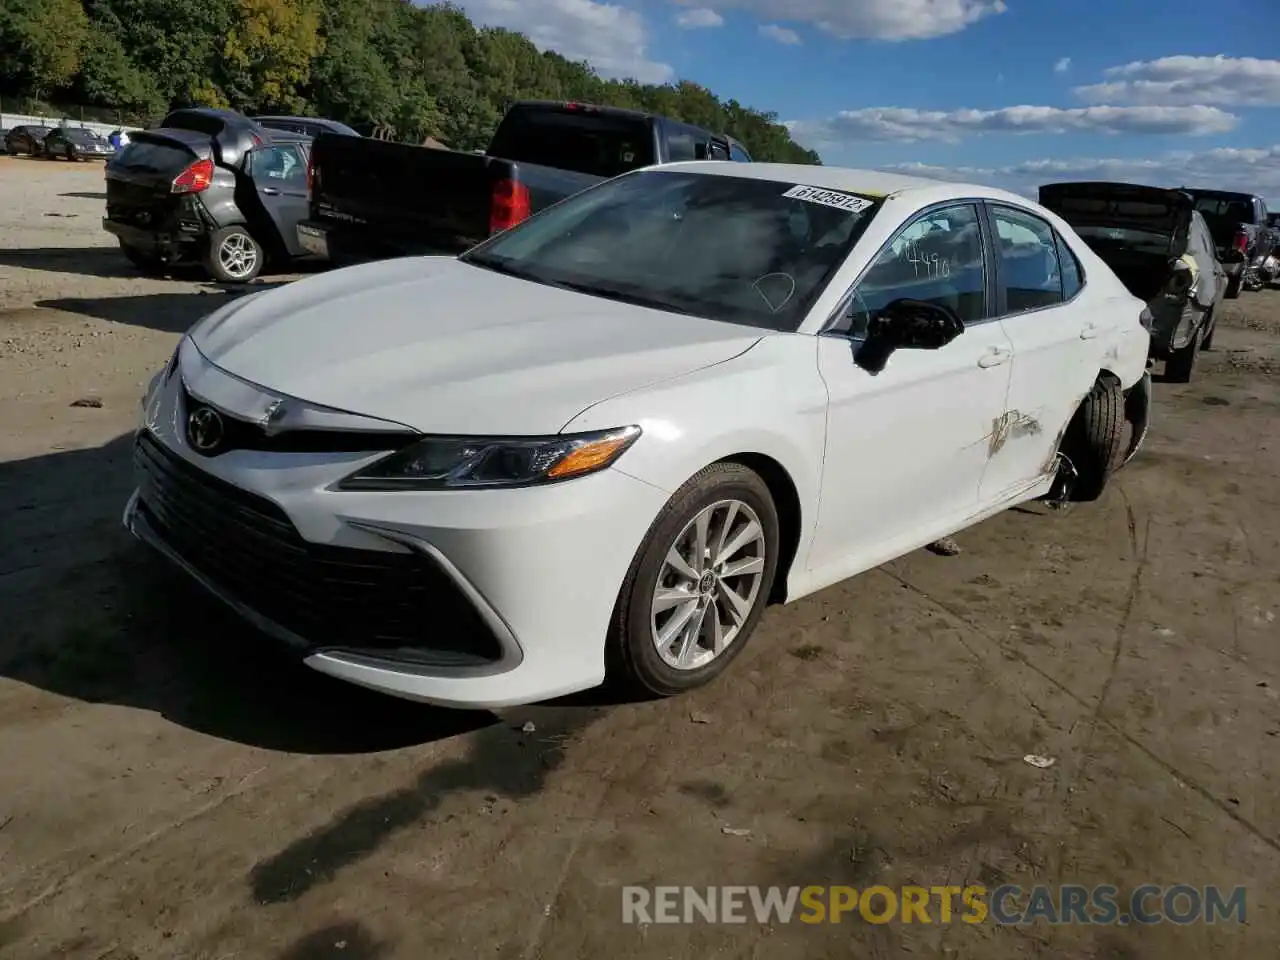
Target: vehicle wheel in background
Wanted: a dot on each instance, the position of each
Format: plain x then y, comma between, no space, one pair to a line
1233,288
144,261
71,153
698,584
234,256
1095,439
1181,362
1206,343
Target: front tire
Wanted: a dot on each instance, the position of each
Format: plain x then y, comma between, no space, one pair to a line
1233,288
233,255
698,584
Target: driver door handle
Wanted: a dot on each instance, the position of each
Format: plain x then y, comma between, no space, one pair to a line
1089,331
271,191
995,356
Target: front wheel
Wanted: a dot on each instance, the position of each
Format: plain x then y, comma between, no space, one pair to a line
1233,287
699,583
233,255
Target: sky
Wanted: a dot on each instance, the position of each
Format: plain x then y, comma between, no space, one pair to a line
1010,92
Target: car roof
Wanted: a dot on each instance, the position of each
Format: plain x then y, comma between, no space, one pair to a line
333,125
287,136
875,183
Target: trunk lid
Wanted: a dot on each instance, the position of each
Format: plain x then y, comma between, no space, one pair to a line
140,177
1094,208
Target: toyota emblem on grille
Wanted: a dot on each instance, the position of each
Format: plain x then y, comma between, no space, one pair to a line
205,429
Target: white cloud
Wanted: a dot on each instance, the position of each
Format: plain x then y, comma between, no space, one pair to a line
1255,170
1245,81
874,19
909,123
771,31
699,18
612,38
1062,66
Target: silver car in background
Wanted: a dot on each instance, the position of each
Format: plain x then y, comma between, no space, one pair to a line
1160,247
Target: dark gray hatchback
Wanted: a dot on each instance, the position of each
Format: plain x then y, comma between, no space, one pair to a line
208,187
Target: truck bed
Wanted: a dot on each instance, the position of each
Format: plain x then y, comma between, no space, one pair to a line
397,198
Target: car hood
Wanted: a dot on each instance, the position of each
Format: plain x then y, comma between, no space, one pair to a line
444,347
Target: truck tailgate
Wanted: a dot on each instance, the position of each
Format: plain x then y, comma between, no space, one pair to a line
413,197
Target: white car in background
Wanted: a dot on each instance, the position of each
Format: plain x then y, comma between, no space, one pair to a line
602,441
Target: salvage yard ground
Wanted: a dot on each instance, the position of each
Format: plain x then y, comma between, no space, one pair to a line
172,786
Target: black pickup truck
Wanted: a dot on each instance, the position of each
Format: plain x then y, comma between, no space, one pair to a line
1238,223
374,198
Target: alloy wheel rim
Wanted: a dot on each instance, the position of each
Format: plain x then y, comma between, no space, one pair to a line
708,585
237,256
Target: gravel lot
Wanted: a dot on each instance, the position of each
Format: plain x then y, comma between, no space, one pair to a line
172,786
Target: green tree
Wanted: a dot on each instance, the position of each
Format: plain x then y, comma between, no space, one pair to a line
40,44
386,66
268,53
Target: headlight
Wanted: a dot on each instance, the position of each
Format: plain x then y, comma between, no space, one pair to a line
440,463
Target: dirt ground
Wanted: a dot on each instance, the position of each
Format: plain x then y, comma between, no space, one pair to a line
171,785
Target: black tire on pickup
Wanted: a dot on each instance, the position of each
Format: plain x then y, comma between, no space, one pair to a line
1095,439
1233,287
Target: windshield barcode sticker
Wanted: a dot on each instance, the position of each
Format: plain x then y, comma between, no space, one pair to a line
828,198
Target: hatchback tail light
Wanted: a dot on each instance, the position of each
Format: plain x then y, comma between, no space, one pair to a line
195,178
509,204
1241,241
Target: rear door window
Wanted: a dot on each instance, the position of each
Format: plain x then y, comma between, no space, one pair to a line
595,144
1029,266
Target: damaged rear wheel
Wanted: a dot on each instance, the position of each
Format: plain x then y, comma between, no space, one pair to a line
1095,443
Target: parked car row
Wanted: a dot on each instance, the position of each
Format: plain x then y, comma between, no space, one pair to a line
236,192
62,142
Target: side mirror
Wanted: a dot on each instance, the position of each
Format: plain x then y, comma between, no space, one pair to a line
907,325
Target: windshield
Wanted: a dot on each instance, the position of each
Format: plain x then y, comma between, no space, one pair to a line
79,136
739,250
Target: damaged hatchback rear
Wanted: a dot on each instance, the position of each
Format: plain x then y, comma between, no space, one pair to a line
1161,249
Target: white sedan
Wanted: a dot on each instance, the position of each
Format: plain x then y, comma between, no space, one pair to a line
598,444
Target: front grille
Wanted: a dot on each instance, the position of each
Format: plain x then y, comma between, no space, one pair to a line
242,435
329,596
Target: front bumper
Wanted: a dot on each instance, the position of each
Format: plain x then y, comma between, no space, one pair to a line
466,599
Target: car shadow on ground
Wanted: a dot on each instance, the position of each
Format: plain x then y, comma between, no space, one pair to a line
84,195
169,312
93,615
85,261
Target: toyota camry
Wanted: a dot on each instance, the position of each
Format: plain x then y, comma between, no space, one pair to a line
598,444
